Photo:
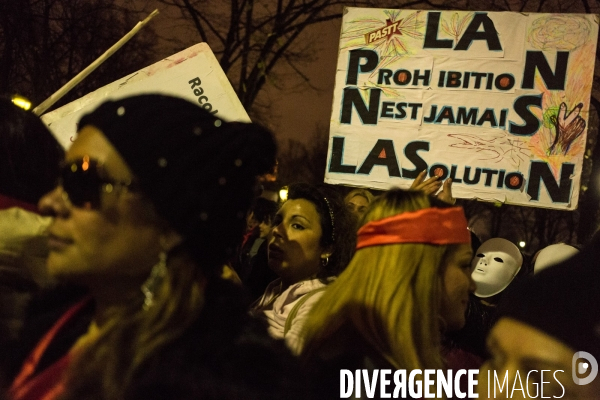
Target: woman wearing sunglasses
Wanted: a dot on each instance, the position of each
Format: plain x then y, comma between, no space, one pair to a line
151,201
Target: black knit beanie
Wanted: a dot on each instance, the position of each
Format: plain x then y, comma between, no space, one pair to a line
562,301
198,170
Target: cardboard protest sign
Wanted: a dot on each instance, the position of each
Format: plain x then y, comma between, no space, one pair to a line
193,74
497,101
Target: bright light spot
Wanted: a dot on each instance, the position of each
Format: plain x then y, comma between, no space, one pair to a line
283,193
86,163
522,244
21,102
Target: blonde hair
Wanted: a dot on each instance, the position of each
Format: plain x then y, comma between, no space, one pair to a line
359,192
390,294
133,335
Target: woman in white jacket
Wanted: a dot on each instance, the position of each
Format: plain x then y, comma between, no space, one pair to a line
312,241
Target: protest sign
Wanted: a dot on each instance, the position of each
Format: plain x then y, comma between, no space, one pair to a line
193,74
497,101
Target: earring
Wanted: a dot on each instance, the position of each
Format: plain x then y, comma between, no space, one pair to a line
324,261
151,285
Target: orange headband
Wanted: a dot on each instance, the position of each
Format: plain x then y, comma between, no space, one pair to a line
429,225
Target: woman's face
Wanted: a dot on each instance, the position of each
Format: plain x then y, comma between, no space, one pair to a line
294,247
456,286
358,205
95,243
526,357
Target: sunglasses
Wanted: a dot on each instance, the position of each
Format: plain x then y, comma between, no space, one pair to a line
83,184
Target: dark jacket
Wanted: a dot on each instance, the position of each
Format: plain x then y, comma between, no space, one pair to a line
224,354
253,268
346,350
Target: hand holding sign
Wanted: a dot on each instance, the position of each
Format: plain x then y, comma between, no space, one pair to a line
446,194
432,185
568,128
429,186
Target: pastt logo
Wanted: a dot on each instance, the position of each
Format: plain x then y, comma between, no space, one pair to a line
391,28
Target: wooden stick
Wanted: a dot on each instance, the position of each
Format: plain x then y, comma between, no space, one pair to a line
46,104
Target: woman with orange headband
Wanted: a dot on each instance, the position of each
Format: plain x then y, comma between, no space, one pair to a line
408,282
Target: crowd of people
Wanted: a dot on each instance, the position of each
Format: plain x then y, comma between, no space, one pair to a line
143,263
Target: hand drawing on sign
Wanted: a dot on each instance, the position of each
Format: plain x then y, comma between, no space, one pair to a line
457,25
567,128
497,147
561,32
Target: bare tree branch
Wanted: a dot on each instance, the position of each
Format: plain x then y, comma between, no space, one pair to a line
196,17
586,6
45,43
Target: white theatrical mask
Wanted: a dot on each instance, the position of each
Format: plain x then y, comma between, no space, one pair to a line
552,255
496,263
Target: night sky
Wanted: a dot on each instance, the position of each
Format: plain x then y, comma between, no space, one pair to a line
293,113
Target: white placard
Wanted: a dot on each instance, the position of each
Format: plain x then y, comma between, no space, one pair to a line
193,74
497,101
